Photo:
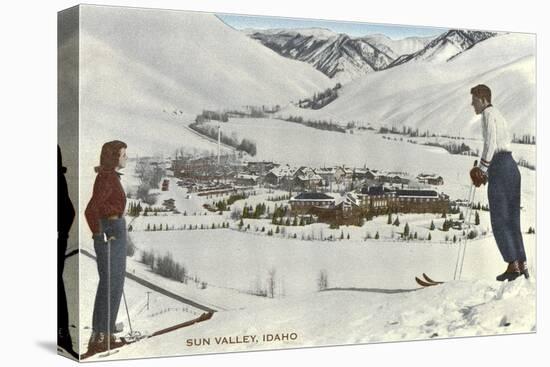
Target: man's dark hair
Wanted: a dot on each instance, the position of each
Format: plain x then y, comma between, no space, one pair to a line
110,154
481,91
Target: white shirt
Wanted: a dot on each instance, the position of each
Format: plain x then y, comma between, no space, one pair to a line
496,135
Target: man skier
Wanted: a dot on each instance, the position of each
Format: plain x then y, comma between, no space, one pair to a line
504,190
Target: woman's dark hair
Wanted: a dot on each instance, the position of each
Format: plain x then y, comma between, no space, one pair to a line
110,154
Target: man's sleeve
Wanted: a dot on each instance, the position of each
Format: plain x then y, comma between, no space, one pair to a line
489,142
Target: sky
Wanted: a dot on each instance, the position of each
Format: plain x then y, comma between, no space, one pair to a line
354,29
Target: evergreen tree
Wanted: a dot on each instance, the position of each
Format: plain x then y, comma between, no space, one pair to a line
148,226
406,230
477,218
432,226
342,235
389,218
429,236
377,236
396,222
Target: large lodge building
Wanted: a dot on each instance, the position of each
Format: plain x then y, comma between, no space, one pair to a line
371,201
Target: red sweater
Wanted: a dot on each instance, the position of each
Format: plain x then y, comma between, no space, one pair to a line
108,199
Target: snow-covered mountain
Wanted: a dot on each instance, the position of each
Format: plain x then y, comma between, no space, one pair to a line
396,48
144,73
339,56
446,46
435,95
188,60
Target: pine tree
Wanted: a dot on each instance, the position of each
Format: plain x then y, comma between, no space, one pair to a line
396,222
432,226
406,230
377,236
477,218
342,235
429,236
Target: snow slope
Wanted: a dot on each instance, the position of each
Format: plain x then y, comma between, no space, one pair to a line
350,317
436,95
144,73
349,313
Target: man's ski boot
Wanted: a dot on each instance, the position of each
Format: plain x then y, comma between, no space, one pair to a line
523,269
511,273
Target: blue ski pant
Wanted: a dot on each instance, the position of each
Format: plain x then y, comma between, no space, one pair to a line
112,228
504,192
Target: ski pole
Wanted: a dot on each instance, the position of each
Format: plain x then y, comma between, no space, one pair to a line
465,221
108,298
466,241
127,313
462,247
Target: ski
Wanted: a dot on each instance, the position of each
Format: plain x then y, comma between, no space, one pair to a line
423,283
429,280
138,337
